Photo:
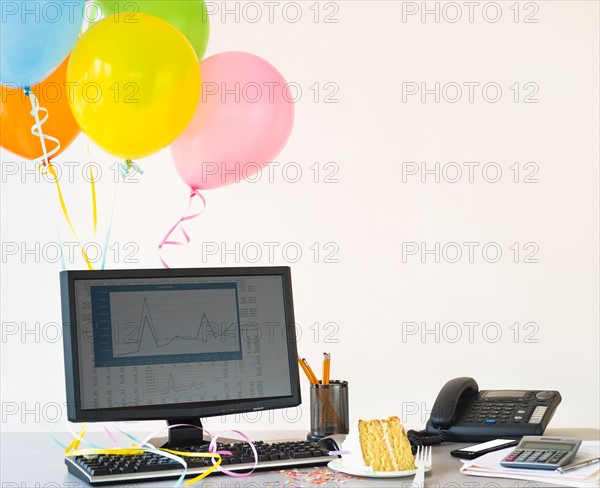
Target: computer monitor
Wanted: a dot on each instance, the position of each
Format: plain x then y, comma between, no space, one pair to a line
178,344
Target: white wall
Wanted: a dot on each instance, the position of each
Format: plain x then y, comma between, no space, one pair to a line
371,292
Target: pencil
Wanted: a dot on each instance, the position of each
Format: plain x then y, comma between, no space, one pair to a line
326,367
308,371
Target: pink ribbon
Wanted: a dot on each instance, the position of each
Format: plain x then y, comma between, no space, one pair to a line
212,447
179,224
111,437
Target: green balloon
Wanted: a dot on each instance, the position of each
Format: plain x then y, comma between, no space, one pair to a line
189,16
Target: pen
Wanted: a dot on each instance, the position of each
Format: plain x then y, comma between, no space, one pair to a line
326,367
308,371
570,467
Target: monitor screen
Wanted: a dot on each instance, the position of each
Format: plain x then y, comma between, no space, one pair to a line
178,343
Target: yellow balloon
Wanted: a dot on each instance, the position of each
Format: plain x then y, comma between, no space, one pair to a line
134,84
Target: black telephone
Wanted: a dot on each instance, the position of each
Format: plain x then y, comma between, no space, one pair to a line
463,413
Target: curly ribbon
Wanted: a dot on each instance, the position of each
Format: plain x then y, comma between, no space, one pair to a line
132,437
112,438
57,442
73,450
179,225
36,129
127,166
44,160
213,448
145,446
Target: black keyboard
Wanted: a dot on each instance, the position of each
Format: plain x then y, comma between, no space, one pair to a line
147,466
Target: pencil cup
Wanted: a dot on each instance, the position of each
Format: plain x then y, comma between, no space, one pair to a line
328,410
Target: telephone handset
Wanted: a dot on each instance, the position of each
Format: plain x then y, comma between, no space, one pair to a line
449,398
463,413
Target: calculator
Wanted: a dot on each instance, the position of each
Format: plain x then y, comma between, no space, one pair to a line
539,452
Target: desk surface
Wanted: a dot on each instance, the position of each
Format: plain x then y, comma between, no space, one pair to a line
49,470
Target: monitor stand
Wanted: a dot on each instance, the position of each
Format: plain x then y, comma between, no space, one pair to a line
191,434
185,435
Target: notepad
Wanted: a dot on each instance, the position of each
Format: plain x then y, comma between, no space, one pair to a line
586,477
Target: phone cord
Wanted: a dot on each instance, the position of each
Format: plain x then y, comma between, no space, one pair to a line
422,438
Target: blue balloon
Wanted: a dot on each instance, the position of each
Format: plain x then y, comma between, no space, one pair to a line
35,37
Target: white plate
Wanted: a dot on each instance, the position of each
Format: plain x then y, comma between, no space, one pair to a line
338,465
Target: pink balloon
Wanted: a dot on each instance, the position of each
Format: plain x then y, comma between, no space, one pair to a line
243,120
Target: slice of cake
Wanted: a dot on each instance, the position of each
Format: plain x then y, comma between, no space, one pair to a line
384,445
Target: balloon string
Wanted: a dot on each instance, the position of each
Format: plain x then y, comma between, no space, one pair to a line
94,206
109,229
125,168
44,160
179,225
93,188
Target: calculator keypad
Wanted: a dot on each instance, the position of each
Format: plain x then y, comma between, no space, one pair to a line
536,456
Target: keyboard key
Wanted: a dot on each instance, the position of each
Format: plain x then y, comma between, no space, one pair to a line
154,468
300,455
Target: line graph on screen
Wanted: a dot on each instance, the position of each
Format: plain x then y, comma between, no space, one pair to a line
182,322
172,386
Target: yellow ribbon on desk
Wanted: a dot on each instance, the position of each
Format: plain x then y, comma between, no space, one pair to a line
73,450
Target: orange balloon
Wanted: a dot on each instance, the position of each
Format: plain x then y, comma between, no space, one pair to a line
16,119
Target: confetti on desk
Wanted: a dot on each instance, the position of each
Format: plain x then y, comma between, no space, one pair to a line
314,477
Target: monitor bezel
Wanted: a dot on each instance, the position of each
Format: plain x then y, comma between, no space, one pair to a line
75,410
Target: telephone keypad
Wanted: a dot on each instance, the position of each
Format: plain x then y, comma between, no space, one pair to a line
499,412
